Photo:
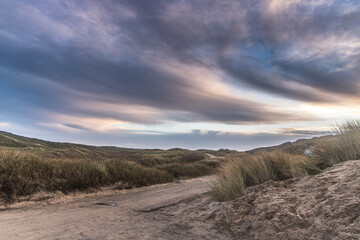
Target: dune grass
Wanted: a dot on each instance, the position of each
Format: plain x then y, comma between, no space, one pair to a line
345,146
196,169
156,158
23,174
246,170
36,165
67,167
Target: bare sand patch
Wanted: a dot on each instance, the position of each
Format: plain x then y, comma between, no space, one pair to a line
324,206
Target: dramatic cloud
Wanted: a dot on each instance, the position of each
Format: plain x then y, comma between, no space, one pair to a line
94,65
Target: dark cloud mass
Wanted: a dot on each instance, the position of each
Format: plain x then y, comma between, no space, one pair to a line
228,29
169,56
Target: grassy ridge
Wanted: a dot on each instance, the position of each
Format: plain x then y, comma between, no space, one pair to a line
296,147
22,174
244,170
30,165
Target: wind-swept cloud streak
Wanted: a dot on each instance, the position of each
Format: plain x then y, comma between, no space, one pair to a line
181,61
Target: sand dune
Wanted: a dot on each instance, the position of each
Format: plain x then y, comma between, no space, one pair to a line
325,206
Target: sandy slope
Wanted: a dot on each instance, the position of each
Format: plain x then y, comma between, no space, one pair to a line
167,211
325,206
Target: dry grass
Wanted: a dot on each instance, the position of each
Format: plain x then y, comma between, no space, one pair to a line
345,146
247,170
23,173
68,167
188,169
32,165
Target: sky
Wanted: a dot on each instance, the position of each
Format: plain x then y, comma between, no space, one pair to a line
234,74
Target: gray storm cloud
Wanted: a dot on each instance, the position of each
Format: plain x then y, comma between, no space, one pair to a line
116,52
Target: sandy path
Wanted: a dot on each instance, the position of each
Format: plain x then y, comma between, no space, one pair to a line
167,211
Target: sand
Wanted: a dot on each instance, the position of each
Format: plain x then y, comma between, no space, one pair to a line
165,211
325,206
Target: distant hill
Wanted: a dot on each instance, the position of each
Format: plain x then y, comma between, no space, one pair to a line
296,147
61,150
11,140
31,164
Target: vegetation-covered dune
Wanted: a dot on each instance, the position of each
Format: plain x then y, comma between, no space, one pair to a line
271,193
262,165
323,206
30,165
